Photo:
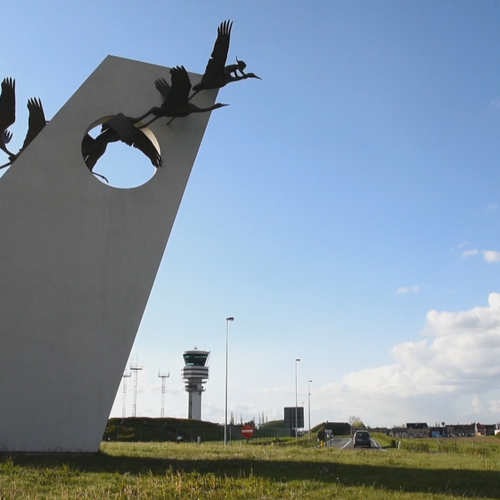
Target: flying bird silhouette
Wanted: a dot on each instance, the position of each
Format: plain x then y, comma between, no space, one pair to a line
36,122
217,74
7,112
176,98
91,152
118,128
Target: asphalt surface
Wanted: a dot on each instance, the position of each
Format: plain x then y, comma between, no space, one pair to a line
348,444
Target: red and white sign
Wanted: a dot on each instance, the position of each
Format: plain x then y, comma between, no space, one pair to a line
247,431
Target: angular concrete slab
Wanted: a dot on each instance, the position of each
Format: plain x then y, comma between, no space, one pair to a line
78,262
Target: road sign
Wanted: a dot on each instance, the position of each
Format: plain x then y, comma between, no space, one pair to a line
247,431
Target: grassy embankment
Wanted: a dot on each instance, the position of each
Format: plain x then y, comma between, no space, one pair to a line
445,470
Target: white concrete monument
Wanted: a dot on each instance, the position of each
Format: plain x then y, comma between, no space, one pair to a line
78,261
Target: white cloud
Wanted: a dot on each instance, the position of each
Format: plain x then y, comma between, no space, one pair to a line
495,103
470,253
459,246
495,406
403,290
491,256
491,207
451,374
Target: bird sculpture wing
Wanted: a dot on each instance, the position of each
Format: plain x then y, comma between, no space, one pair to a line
36,121
162,87
7,103
142,143
87,145
116,128
217,61
181,86
92,150
6,136
132,136
122,126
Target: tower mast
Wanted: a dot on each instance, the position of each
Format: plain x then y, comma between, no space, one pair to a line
124,401
135,368
195,374
163,376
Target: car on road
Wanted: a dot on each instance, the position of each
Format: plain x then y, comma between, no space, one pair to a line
362,438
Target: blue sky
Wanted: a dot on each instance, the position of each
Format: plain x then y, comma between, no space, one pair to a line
344,209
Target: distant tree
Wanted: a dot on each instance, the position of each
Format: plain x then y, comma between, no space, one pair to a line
231,421
356,422
274,423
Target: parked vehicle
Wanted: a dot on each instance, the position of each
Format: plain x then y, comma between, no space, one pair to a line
362,438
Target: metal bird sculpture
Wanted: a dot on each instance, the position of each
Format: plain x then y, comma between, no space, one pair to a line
91,152
176,104
217,74
36,123
176,98
7,112
118,128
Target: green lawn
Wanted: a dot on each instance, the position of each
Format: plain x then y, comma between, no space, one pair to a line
241,471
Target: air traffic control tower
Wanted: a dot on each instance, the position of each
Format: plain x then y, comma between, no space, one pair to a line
195,374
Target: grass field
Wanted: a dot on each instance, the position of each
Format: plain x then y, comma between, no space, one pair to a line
439,470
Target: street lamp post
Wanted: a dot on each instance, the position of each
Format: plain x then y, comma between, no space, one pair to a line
296,404
225,405
309,407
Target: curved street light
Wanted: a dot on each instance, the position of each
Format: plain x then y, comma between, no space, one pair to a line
296,405
309,407
225,405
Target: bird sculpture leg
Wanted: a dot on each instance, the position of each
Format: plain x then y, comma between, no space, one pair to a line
190,97
101,176
149,122
193,94
139,118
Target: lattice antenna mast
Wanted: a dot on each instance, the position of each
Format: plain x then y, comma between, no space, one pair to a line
163,377
135,368
124,402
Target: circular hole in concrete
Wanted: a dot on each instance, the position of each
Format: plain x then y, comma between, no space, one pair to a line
120,166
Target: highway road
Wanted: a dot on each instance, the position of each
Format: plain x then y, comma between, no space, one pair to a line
348,444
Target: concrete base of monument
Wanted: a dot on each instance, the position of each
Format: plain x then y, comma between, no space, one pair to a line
78,262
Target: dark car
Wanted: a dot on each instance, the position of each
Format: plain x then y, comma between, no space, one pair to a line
362,438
